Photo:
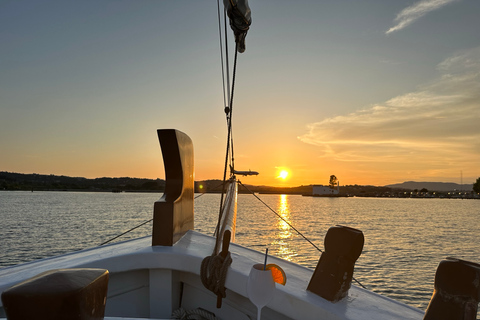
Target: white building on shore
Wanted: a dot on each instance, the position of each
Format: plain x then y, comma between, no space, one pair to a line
321,190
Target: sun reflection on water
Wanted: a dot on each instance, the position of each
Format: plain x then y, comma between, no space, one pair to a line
282,242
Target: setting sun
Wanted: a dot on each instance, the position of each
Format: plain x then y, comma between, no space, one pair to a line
283,174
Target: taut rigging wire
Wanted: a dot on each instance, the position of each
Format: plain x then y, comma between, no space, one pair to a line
145,222
229,154
291,226
221,54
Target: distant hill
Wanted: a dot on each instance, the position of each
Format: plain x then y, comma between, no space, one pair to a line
432,186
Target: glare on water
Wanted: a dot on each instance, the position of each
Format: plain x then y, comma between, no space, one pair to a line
281,239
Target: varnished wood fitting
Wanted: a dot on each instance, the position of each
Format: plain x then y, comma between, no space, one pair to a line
173,213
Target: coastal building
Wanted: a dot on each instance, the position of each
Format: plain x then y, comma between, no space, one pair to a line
321,190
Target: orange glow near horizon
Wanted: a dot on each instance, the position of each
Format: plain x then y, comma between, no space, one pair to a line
280,164
306,171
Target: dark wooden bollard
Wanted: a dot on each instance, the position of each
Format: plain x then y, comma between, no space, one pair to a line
457,291
334,272
73,294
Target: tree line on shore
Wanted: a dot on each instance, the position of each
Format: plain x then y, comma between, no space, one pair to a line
39,182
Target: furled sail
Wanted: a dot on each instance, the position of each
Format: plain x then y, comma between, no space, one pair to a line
240,20
228,221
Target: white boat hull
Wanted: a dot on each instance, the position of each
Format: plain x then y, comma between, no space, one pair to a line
151,281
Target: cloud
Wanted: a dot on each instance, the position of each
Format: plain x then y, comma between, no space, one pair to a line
434,126
414,12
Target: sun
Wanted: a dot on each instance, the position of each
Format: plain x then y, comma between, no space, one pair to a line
283,174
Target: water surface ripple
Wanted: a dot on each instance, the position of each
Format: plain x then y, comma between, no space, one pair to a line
405,239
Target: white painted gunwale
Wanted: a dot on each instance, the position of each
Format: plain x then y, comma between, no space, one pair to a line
186,255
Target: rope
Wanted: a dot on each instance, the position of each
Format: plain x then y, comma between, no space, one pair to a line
195,314
227,59
213,273
229,112
291,226
221,53
288,223
126,232
231,103
228,109
143,223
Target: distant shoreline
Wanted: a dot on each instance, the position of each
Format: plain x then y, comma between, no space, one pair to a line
410,189
405,196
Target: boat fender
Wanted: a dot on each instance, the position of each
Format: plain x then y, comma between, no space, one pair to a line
334,272
456,291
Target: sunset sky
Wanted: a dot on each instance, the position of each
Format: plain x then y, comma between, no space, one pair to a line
374,92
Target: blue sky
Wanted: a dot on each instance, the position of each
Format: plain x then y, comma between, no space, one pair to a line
375,92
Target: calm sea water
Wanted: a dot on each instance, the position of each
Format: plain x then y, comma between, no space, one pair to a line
405,239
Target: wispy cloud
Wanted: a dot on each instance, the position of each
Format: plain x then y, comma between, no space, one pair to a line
433,127
414,12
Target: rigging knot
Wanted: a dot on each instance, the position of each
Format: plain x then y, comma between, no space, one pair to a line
213,273
227,110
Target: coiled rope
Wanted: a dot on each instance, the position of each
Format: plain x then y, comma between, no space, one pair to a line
195,314
213,273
